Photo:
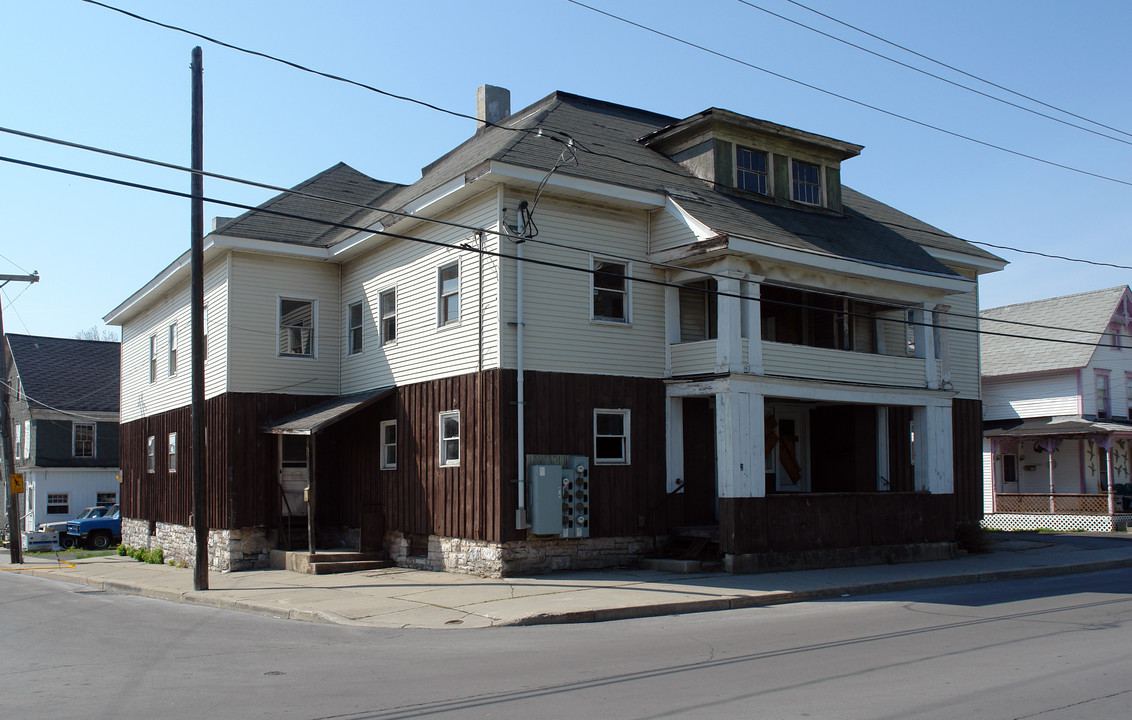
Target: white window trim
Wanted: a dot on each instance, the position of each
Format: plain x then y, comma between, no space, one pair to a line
174,346
441,325
382,444
279,326
381,317
821,182
66,501
442,439
27,439
627,437
151,454
153,358
350,351
628,321
93,440
171,457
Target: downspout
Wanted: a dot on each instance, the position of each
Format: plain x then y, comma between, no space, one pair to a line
520,397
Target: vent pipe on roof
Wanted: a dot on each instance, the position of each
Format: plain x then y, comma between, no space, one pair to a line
492,104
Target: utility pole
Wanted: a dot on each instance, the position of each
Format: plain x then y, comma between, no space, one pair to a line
196,219
16,551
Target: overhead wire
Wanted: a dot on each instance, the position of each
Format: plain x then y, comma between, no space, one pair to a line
913,68
50,407
846,98
468,247
958,70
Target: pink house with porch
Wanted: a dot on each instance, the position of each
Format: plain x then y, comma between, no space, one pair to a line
1057,392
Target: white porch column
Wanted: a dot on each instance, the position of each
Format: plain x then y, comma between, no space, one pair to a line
671,322
728,343
739,443
753,324
1111,477
674,433
932,449
925,345
943,337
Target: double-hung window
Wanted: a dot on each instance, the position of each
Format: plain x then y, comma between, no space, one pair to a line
150,454
450,438
448,293
172,452
296,327
610,291
387,302
19,449
388,431
1104,407
611,437
173,349
806,179
82,440
751,170
106,499
58,504
153,358
354,320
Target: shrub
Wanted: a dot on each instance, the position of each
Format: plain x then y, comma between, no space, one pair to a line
156,556
123,550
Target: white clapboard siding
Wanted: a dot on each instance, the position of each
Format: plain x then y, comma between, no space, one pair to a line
1119,364
422,349
255,286
693,358
668,232
826,364
964,343
1030,396
140,397
559,334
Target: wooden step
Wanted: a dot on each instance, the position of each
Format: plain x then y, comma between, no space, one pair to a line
345,566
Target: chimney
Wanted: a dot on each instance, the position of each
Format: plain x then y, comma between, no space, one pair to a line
492,104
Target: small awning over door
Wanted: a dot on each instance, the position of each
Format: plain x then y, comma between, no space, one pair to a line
314,419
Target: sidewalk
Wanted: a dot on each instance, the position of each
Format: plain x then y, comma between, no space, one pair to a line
400,598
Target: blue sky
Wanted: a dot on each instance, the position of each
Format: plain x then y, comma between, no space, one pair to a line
79,72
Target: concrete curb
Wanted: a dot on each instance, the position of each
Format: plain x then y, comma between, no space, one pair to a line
714,604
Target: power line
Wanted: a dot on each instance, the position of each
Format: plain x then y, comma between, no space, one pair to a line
304,68
50,407
955,69
468,247
848,99
933,75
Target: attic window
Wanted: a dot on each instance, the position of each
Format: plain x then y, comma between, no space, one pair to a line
806,182
751,170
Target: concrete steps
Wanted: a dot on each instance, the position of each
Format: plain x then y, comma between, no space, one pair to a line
324,562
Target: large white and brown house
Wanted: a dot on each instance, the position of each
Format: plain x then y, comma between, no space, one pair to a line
706,328
1057,385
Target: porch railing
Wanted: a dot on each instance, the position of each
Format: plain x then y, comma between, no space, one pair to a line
1059,504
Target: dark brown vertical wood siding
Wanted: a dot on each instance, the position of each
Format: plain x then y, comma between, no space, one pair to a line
967,448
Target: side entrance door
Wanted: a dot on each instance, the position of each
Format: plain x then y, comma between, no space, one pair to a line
294,474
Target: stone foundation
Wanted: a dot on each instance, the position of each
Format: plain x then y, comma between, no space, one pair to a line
532,556
228,550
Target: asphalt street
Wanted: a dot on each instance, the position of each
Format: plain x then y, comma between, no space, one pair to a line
1048,647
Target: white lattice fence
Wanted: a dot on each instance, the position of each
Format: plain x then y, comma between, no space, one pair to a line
1060,523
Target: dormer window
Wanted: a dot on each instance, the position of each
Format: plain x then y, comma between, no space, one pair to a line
806,179
751,170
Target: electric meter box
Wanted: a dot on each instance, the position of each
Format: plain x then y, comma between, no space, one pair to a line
559,495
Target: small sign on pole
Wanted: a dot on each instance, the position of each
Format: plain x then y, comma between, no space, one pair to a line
17,480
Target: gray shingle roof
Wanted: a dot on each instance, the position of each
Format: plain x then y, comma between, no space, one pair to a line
1089,311
868,231
314,419
339,182
67,374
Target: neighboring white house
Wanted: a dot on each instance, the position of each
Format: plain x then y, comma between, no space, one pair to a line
1057,421
682,322
64,410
